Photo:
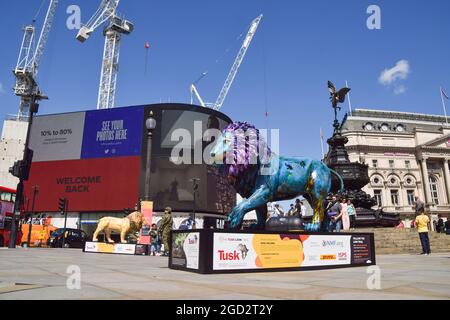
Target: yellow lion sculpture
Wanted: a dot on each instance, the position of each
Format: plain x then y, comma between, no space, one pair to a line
130,224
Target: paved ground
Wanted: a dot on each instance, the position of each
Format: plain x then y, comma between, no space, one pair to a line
42,274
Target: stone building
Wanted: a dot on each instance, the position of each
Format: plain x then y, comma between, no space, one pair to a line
12,143
407,153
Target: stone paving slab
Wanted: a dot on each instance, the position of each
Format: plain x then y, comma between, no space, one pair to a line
42,274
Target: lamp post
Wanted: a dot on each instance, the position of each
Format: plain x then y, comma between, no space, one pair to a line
35,192
195,188
150,124
21,169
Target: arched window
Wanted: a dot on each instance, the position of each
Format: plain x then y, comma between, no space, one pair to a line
434,190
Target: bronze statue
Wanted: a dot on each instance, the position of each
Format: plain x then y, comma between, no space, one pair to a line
335,98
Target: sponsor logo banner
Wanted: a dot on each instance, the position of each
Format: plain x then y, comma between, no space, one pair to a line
113,133
57,137
89,185
186,249
234,251
120,248
326,250
361,249
147,211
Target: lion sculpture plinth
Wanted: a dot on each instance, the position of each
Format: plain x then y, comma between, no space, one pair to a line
129,224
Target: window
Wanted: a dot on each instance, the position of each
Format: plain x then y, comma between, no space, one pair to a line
407,164
391,164
394,197
384,127
368,126
375,163
410,196
400,128
434,190
6,196
378,198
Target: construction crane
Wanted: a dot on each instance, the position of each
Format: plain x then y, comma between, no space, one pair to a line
27,89
27,67
110,64
234,69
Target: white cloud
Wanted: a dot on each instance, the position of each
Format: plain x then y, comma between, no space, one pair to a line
399,89
401,71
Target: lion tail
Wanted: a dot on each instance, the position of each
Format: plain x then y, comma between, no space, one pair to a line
341,181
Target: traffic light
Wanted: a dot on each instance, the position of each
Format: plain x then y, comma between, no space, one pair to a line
62,205
34,107
16,169
21,168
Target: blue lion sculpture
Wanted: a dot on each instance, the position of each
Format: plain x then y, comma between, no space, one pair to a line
260,176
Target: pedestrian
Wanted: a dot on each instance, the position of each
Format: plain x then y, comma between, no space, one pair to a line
447,226
440,224
278,211
153,240
422,221
333,213
165,228
419,205
344,215
291,210
351,214
298,208
303,210
326,205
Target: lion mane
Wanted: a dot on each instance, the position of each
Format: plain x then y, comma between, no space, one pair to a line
250,151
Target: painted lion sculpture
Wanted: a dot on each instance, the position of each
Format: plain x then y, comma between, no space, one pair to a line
260,176
129,224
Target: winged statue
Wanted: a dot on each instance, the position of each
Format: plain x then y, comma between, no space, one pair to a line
337,96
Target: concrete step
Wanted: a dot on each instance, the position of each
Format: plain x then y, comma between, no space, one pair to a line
397,241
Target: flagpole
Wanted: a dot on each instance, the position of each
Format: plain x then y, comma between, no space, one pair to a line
443,106
349,101
321,143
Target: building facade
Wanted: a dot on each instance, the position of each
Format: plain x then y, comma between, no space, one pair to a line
408,155
99,160
12,143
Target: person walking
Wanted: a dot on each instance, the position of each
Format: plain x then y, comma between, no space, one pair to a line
351,214
278,210
333,213
419,205
298,209
345,218
164,229
440,224
154,240
291,210
422,221
303,210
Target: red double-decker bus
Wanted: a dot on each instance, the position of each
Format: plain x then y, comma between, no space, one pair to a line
7,199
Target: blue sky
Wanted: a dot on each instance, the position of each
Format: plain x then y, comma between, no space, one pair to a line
299,46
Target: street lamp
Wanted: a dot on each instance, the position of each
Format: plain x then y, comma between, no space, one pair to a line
195,188
150,124
21,169
35,192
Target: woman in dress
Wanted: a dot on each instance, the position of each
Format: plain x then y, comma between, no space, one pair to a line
344,215
351,213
